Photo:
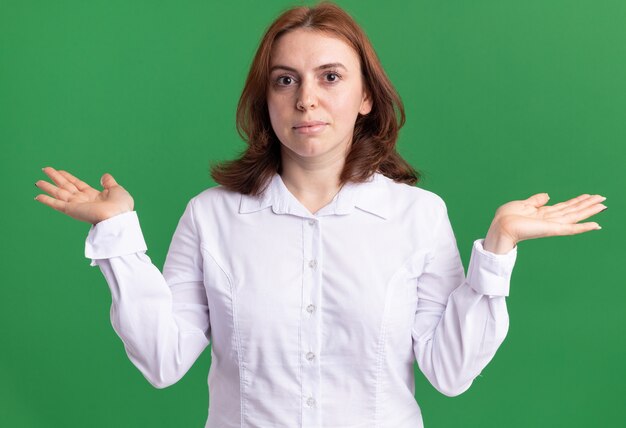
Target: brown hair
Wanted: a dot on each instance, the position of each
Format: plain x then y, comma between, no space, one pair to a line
374,139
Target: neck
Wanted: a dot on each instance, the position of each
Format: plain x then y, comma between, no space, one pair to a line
313,182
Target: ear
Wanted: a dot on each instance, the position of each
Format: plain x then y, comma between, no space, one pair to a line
366,103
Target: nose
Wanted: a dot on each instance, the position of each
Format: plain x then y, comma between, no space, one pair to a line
306,98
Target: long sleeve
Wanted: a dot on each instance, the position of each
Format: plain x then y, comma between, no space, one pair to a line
460,321
163,319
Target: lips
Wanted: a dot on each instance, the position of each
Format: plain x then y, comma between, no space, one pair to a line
310,127
309,124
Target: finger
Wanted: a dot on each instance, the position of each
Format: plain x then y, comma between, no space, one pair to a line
538,200
51,202
577,228
80,185
590,201
108,181
565,204
580,214
58,179
57,192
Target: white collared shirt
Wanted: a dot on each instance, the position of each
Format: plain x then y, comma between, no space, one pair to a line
314,320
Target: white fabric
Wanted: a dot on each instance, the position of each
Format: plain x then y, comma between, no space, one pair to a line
313,320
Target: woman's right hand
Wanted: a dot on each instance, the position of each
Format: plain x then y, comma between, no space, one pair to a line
81,201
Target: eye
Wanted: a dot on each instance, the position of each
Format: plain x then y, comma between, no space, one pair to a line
284,80
332,77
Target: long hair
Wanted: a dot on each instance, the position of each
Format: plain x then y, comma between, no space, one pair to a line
373,147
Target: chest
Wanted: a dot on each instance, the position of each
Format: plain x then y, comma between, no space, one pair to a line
343,272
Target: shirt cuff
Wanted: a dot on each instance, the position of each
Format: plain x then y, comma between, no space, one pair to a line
119,235
489,273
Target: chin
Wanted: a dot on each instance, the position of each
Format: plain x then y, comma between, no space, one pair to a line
313,147
307,149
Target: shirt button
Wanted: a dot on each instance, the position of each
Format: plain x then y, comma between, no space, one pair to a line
312,222
310,356
310,401
312,264
310,309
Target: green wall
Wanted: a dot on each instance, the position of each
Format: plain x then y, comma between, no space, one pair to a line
504,99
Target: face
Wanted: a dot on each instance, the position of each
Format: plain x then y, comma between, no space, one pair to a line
315,94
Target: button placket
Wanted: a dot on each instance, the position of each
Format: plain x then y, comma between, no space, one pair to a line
310,325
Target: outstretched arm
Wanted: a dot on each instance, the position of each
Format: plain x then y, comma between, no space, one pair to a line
460,321
162,318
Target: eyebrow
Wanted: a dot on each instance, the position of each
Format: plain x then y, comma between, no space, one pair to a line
321,67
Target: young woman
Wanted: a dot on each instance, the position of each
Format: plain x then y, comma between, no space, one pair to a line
316,270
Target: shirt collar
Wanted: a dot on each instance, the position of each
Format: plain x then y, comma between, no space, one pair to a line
372,196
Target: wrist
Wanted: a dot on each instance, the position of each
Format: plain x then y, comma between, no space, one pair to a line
111,214
497,241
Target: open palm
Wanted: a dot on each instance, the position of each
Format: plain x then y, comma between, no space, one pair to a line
531,218
79,200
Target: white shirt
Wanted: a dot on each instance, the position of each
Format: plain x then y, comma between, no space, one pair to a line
313,320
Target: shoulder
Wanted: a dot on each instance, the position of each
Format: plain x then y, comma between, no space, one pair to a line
406,196
215,197
216,192
414,210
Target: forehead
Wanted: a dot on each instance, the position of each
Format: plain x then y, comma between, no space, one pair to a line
308,48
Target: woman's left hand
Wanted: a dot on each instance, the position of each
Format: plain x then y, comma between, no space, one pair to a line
516,221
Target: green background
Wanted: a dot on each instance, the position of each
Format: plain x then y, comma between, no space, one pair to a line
504,99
